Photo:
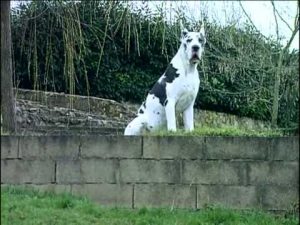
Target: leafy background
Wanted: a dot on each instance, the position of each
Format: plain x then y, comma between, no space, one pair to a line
106,49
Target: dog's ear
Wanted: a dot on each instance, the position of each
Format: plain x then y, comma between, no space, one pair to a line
184,32
202,31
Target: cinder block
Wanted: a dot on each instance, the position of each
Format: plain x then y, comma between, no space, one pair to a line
106,194
213,172
111,147
100,170
284,148
273,172
149,171
87,170
164,195
68,172
53,147
238,197
279,197
9,147
173,147
237,147
19,171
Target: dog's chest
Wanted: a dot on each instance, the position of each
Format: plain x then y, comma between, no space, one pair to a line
187,89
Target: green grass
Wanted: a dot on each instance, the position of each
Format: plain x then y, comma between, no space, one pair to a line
27,206
222,131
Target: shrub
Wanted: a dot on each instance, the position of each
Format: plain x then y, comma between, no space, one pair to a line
106,49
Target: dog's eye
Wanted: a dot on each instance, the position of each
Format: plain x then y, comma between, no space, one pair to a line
201,40
188,40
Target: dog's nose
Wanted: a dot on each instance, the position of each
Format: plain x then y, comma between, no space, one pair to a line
195,48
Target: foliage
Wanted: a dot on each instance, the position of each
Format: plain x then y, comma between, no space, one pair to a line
28,206
107,49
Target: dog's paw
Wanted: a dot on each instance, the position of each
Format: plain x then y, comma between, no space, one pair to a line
172,130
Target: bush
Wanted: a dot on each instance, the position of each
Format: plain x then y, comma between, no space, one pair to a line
105,49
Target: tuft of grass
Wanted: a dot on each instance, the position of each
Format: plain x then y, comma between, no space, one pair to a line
27,206
222,131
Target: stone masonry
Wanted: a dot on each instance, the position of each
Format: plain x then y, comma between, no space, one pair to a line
40,112
181,172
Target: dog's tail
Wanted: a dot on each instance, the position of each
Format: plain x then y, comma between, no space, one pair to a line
136,126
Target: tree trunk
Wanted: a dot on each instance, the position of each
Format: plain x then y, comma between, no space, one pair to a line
275,106
7,98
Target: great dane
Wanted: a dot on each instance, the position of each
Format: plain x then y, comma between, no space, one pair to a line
175,91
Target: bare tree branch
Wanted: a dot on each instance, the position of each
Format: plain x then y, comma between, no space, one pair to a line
276,11
275,17
292,38
296,22
249,18
296,29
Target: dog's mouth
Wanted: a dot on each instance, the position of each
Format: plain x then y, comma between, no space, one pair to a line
195,58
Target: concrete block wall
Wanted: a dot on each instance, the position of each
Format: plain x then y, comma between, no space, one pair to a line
183,172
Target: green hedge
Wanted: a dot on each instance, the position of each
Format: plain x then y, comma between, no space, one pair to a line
53,38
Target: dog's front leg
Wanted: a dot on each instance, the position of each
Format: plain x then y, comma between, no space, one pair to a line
188,118
170,114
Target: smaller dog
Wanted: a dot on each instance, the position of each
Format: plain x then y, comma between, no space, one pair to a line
175,91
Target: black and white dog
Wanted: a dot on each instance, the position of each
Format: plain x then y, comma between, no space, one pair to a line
175,91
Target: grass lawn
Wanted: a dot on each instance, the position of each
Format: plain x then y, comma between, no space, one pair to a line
21,206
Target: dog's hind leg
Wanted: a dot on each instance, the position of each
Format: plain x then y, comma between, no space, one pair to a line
136,126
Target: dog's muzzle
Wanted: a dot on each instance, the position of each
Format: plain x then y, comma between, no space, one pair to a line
195,54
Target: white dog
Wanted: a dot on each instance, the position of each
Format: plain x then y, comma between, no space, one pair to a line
175,91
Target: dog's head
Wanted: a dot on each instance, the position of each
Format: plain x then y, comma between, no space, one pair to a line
193,44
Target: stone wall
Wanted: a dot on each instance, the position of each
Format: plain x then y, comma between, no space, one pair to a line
43,113
184,172
39,119
123,112
107,107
